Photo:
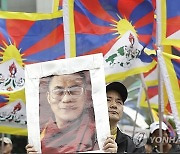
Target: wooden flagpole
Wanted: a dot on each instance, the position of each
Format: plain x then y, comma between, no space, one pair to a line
137,111
147,97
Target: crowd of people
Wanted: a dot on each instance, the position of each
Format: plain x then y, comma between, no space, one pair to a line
72,128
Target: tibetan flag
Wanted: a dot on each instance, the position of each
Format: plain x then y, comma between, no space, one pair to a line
152,91
32,37
152,47
120,29
25,38
13,113
151,81
170,68
173,69
169,22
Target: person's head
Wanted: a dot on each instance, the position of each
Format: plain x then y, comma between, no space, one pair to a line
67,96
7,148
116,96
154,132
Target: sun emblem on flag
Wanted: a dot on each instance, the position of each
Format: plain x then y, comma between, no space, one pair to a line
124,51
122,26
123,55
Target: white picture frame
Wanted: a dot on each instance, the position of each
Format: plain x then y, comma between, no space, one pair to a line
35,72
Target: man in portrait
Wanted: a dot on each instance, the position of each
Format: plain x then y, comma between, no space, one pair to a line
71,128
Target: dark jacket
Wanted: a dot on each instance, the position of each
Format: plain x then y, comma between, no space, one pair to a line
126,145
174,149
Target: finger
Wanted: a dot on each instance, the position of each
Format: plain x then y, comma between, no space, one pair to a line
110,145
111,150
109,140
112,137
28,146
31,151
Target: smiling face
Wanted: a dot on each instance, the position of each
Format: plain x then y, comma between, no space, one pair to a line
66,97
115,106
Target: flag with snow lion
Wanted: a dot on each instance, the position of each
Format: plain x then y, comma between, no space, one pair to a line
25,38
12,97
126,57
13,113
120,29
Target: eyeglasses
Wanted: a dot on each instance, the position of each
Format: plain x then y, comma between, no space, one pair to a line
60,92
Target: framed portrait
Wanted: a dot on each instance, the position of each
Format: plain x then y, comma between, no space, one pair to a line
66,105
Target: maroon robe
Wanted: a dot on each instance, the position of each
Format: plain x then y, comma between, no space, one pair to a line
79,136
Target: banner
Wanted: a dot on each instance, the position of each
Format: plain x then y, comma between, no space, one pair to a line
25,38
170,67
168,22
151,81
120,29
76,118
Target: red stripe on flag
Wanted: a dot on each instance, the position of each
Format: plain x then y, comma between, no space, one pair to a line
2,104
173,25
144,38
60,2
168,108
126,7
144,20
152,91
50,40
84,25
14,30
95,7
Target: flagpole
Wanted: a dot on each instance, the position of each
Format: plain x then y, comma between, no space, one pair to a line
160,106
137,111
158,43
147,97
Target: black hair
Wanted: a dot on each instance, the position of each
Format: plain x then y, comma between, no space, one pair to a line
81,74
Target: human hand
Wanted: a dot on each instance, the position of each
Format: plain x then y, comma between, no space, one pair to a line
110,145
30,149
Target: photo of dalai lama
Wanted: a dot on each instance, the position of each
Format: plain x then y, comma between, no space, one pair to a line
71,128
